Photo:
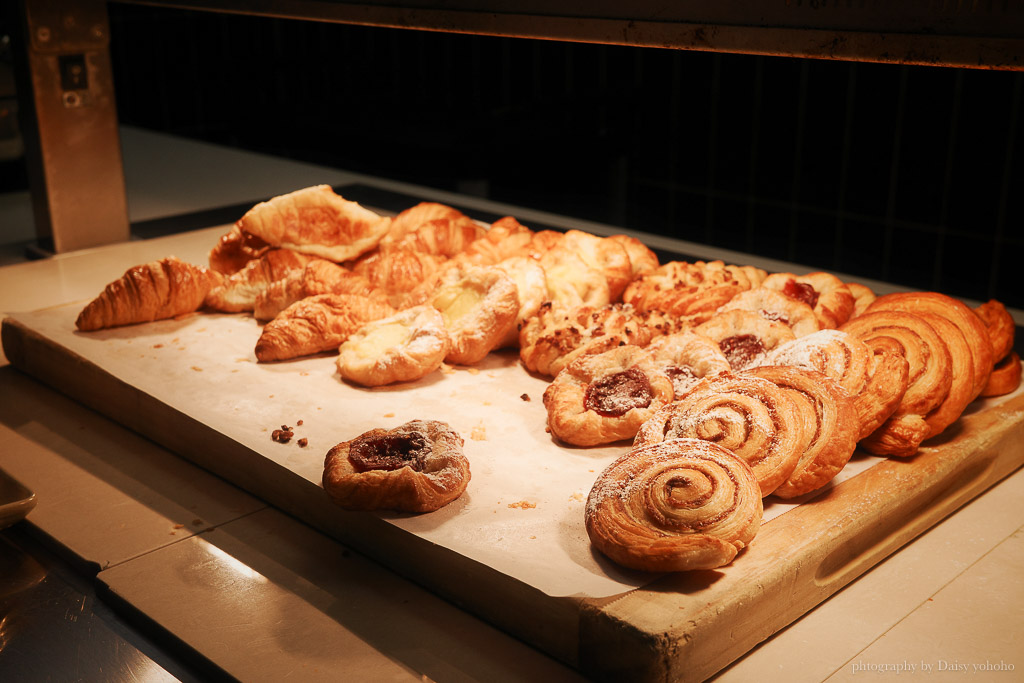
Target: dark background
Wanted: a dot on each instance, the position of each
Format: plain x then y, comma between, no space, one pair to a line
913,175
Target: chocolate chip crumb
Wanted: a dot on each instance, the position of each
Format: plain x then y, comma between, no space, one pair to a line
525,397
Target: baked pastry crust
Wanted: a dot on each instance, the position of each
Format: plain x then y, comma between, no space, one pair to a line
1005,376
604,255
156,290
319,276
428,469
930,376
687,357
397,272
682,289
602,398
642,259
829,296
876,379
239,291
440,237
316,221
234,249
752,417
478,309
400,348
777,307
830,413
1001,328
532,288
745,336
955,311
678,505
863,296
571,281
416,216
316,324
556,337
506,238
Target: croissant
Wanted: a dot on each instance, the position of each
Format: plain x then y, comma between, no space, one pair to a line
238,291
415,216
318,323
153,291
397,272
316,221
506,238
234,249
440,237
317,277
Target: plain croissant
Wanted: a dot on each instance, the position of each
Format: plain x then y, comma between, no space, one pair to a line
153,291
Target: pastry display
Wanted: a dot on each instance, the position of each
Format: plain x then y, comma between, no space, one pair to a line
752,417
831,426
416,467
722,384
400,348
676,505
317,324
153,291
316,221
603,398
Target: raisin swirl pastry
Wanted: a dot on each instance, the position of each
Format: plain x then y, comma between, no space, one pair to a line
752,417
416,467
604,398
677,505
875,378
928,382
830,413
687,357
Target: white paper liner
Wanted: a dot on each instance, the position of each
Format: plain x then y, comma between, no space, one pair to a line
523,511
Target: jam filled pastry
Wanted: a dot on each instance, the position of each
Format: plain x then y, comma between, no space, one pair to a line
604,398
604,255
641,259
234,249
239,291
830,298
316,221
478,309
400,348
929,380
876,379
316,324
319,276
974,331
571,281
687,357
153,291
416,467
777,307
831,427
677,505
555,336
752,417
744,336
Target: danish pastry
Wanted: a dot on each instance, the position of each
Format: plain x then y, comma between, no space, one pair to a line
479,309
316,324
316,221
776,306
955,311
605,397
641,259
745,336
396,272
929,379
680,289
234,249
153,291
863,296
604,255
416,216
532,288
319,276
555,337
687,357
571,281
752,417
416,467
400,348
876,379
506,238
440,237
830,298
831,426
678,505
239,291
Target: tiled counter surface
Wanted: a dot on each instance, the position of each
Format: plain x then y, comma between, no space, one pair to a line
264,597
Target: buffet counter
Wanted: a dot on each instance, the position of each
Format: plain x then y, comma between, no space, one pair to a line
249,591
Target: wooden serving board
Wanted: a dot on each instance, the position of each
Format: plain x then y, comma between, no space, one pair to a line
513,550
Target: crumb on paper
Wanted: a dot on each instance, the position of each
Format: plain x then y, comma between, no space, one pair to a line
234,370
303,442
271,396
479,432
304,373
523,505
158,346
197,522
179,526
242,360
578,497
487,403
283,435
447,369
473,371
299,423
389,414
525,397
201,329
197,368
176,340
533,537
